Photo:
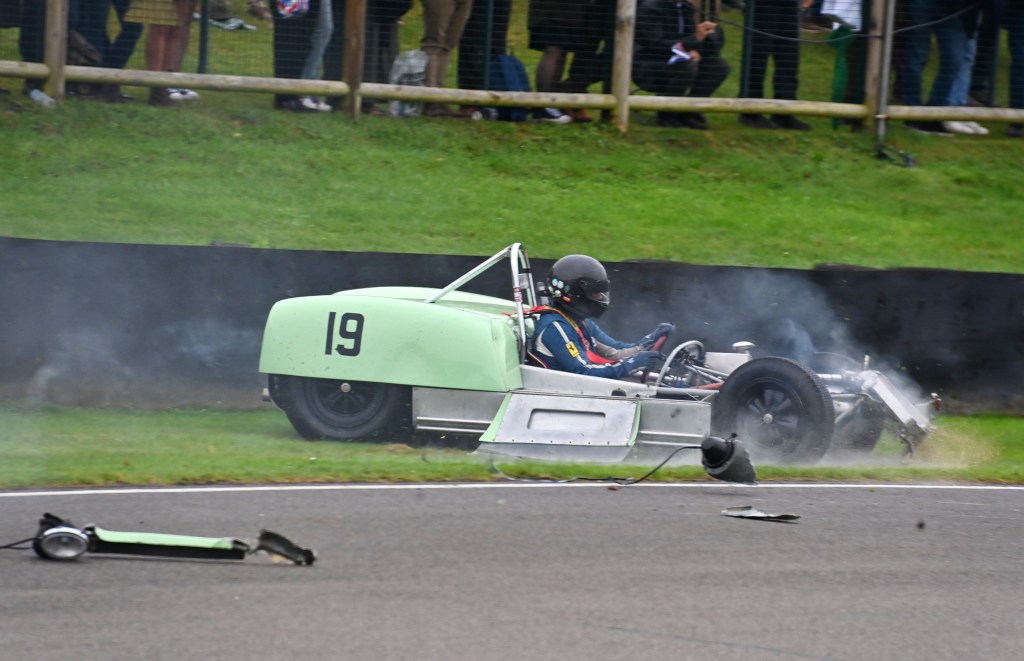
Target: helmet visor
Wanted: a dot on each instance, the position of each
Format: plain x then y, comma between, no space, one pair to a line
596,291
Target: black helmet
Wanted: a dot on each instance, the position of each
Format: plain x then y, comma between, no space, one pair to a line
579,285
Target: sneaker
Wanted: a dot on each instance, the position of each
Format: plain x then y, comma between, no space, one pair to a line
669,120
928,128
182,94
579,115
757,121
1015,131
790,123
316,104
963,128
978,128
552,116
295,105
694,120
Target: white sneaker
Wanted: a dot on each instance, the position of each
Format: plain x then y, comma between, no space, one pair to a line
182,94
977,128
963,128
315,104
552,116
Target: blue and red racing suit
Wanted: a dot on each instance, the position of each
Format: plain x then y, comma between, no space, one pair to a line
560,343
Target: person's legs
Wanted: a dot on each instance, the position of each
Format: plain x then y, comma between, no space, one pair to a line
785,49
951,39
1015,40
322,31
92,24
917,48
550,68
123,45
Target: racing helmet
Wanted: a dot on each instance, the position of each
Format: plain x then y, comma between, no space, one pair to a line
579,285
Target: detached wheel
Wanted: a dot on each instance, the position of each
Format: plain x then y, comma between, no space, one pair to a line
780,409
341,410
859,431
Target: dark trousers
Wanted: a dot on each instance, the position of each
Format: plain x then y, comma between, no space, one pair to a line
92,23
775,31
682,78
292,41
473,58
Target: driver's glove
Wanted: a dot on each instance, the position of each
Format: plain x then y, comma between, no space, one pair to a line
642,360
664,329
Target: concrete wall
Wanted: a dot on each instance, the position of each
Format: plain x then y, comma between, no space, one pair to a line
159,326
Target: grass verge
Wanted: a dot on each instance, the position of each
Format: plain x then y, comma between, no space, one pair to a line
59,446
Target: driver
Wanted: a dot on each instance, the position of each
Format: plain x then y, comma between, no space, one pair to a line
567,338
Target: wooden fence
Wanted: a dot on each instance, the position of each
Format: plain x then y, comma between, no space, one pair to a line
619,102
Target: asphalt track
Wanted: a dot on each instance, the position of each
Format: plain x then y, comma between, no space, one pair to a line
518,571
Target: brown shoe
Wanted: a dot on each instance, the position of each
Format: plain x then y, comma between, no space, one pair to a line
579,115
161,96
113,94
441,110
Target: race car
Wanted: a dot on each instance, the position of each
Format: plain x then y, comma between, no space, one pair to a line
366,364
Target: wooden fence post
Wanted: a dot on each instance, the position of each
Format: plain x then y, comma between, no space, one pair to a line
55,50
622,62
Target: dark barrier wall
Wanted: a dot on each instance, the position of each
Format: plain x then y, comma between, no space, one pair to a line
158,326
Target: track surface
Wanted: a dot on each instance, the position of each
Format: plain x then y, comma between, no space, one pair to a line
532,572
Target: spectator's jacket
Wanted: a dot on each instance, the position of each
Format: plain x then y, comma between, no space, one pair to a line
658,30
560,343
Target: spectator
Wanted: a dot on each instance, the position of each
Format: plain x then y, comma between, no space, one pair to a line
488,20
293,39
958,95
589,65
169,22
772,33
942,18
982,86
318,42
93,16
677,56
443,24
383,20
556,30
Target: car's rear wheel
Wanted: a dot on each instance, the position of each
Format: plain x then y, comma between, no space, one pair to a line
780,409
341,410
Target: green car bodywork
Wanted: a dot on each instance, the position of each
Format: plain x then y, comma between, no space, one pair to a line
391,335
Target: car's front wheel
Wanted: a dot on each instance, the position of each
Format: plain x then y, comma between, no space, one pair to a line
339,409
780,409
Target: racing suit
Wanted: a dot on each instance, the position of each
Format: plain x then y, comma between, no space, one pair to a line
561,343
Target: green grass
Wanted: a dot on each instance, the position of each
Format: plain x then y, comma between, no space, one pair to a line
229,169
56,446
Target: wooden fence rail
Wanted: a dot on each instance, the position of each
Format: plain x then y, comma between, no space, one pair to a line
619,102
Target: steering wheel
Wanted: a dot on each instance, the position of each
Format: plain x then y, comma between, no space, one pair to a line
687,353
657,346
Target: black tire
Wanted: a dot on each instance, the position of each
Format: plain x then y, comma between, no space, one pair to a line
780,409
860,431
342,410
